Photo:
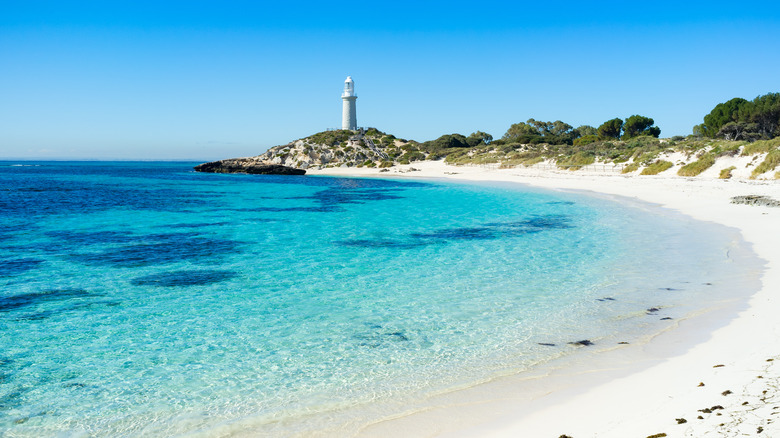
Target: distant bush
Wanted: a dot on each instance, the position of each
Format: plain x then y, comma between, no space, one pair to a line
657,167
588,139
385,164
331,138
698,166
726,173
412,156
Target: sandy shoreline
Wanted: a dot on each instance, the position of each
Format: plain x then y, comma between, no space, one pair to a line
621,396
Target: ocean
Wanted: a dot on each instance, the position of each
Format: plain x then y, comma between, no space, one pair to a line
143,298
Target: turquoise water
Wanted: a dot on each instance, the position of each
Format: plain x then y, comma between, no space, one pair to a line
146,299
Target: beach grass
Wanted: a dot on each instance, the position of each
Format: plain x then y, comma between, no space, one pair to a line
761,147
703,163
726,173
631,167
576,161
657,167
771,161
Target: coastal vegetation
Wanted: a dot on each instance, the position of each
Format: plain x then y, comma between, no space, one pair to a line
738,131
741,119
657,167
726,173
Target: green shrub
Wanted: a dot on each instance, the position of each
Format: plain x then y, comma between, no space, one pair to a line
657,167
586,139
385,164
726,173
692,169
630,168
369,163
771,161
412,156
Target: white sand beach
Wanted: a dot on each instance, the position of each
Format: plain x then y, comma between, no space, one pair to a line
713,375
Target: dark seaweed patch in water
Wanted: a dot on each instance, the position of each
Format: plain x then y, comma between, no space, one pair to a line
331,199
12,399
465,233
336,196
14,302
195,225
11,267
37,316
31,196
184,278
546,222
92,237
321,209
490,231
162,253
382,243
379,338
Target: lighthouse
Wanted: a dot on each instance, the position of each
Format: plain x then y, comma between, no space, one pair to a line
348,112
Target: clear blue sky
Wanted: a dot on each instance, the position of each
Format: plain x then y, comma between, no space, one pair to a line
206,80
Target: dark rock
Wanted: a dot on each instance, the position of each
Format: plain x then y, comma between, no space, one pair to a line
653,310
583,342
245,165
681,420
546,344
665,318
763,201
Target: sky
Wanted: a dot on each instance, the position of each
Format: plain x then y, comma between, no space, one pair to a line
205,80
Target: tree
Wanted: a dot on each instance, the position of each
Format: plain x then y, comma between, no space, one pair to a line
740,131
764,111
518,130
611,128
479,137
559,128
584,130
723,113
744,120
637,125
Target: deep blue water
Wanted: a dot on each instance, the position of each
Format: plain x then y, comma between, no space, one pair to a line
147,299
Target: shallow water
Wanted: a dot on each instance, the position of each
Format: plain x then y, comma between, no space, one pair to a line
144,298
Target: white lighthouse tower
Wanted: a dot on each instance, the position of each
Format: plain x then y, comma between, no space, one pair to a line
348,112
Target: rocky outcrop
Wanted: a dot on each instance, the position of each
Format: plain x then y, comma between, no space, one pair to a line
247,165
764,201
338,148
